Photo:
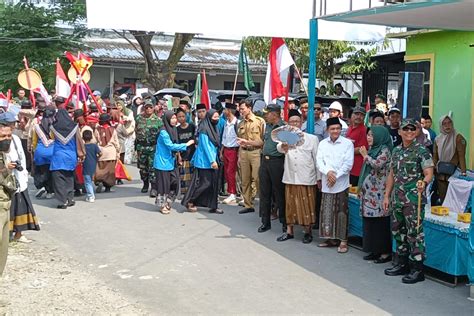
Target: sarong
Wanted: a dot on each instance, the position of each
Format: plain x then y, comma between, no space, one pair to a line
186,173
63,183
300,204
22,214
167,187
334,218
105,172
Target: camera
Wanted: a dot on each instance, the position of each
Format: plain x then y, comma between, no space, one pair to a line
18,165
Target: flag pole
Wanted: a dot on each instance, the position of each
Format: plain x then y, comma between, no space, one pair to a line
301,79
28,80
235,83
285,107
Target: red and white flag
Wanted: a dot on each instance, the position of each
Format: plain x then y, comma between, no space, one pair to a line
63,89
44,93
279,61
3,100
205,91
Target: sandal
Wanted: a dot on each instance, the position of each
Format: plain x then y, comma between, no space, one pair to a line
192,208
165,210
343,248
328,244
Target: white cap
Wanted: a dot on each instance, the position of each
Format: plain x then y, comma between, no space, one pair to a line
96,93
336,106
123,96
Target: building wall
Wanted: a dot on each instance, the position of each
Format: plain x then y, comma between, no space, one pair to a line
453,80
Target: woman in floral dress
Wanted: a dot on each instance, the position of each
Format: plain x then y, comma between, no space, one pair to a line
377,238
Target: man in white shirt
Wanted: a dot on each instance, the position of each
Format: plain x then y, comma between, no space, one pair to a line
230,151
300,177
335,158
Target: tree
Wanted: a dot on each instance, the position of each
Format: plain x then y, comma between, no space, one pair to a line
158,74
328,53
32,31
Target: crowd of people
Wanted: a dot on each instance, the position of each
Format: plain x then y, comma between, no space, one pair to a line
228,151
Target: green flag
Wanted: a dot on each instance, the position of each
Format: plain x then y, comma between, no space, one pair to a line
244,69
197,91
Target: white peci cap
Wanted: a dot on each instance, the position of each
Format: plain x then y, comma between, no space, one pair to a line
336,106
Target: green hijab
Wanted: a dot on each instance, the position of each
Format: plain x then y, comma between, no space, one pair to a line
382,139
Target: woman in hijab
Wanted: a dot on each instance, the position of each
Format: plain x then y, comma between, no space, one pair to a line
166,170
108,142
449,147
43,147
377,237
126,133
203,190
68,148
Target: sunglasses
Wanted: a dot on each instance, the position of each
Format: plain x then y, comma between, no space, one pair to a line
409,128
317,109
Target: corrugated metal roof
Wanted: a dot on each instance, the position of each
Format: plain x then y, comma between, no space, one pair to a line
121,51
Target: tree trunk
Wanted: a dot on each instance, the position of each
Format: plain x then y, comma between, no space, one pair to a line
160,74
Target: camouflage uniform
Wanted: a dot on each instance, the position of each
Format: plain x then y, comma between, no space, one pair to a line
146,130
407,165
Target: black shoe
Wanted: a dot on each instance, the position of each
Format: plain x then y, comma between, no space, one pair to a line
398,269
371,256
247,210
71,203
285,236
145,187
307,238
414,276
153,193
383,260
77,192
119,182
62,206
264,228
216,211
107,190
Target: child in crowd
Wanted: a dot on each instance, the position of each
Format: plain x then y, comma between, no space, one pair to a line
90,163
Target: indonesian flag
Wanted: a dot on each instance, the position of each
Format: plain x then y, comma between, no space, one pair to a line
63,89
3,100
279,62
205,91
44,93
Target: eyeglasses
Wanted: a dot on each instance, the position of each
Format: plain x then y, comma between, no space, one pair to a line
409,128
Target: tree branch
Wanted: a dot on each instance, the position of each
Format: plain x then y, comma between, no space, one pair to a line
129,41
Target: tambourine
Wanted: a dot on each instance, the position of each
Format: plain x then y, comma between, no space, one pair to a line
29,79
288,134
71,74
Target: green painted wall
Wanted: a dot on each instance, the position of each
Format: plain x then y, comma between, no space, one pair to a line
453,76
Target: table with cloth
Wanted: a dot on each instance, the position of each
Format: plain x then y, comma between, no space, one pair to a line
447,240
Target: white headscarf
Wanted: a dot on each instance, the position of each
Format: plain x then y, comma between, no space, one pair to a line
446,142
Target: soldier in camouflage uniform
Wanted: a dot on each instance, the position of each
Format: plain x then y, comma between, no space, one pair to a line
147,126
411,169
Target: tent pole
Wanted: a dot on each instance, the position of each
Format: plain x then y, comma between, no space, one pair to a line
313,50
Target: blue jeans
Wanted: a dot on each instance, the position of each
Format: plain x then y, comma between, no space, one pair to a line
89,186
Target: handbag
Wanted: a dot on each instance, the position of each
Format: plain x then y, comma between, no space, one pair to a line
446,168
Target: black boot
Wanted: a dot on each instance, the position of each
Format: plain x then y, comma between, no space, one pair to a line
400,268
145,186
416,273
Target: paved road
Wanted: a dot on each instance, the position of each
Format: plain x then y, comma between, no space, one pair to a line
219,264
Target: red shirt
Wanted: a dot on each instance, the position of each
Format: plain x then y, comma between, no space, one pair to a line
358,135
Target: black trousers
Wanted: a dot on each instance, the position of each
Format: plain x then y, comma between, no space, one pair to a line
271,185
24,144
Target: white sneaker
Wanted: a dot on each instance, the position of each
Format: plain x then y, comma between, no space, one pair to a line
230,199
49,195
40,193
90,200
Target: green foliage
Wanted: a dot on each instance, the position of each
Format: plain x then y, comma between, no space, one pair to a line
359,62
32,31
328,52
